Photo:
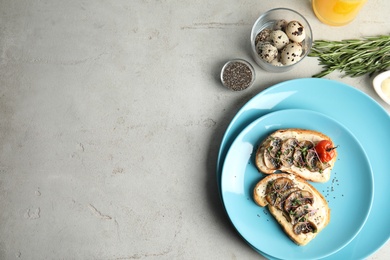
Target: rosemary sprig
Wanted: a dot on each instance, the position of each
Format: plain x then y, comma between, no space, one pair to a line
353,57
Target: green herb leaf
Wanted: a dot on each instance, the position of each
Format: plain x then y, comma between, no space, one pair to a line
353,57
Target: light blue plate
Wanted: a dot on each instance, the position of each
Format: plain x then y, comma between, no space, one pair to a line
349,191
362,115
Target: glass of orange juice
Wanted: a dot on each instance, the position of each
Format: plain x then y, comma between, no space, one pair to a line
337,12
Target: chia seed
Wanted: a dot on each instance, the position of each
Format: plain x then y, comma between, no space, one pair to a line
237,75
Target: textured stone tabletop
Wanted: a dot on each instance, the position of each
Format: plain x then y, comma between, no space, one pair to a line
111,117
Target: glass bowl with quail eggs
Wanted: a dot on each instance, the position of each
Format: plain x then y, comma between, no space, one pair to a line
280,39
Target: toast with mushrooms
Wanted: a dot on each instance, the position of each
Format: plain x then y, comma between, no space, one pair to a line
298,207
294,151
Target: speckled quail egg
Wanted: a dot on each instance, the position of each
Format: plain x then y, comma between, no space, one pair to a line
267,51
280,25
276,62
295,31
291,53
279,39
263,36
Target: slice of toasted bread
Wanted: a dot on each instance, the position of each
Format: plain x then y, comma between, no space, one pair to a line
298,207
271,157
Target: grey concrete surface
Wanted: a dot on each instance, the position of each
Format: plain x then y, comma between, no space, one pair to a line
111,117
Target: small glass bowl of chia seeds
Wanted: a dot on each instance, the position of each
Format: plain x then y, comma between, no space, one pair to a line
237,75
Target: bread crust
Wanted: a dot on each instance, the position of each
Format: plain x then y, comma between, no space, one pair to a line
321,217
299,134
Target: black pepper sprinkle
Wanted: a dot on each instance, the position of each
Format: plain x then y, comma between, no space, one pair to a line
237,76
